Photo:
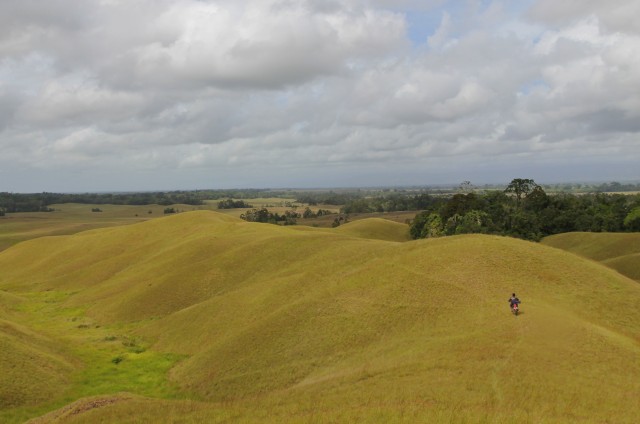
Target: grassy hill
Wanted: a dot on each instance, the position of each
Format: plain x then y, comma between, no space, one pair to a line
620,251
376,229
71,218
202,317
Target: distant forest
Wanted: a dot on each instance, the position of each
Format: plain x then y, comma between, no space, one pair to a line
41,202
388,199
523,209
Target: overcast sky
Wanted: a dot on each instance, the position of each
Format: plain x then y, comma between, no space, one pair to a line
126,95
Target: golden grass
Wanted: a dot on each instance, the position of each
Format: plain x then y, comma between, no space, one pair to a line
620,251
279,324
33,367
628,265
376,229
71,218
598,246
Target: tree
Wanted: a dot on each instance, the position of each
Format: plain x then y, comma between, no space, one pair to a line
632,220
432,227
258,215
520,187
417,224
466,187
426,224
524,225
452,224
460,204
537,199
233,204
474,222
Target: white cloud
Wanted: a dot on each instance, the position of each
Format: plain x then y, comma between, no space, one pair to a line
203,87
442,37
262,44
616,15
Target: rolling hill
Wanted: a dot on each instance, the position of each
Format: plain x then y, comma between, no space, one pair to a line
376,229
204,317
620,251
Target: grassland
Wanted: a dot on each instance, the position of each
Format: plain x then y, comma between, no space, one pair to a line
72,218
202,317
620,251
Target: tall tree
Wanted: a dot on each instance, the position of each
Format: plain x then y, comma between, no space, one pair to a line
520,187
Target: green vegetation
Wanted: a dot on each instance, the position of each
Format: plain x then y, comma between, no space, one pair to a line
391,202
233,204
203,317
376,199
632,220
263,215
308,213
524,210
40,202
68,358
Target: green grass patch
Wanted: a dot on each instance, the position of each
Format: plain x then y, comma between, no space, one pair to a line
104,363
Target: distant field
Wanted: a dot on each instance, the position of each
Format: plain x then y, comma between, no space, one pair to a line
620,251
279,205
71,218
202,317
326,221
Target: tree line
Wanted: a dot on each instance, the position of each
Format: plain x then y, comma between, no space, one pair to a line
264,215
524,210
233,204
289,217
41,202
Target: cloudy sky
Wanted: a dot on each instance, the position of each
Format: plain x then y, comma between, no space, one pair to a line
100,95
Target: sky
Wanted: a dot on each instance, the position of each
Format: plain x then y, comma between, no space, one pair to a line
129,95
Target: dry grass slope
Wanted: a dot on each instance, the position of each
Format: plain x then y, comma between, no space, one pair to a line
376,229
32,367
281,324
628,265
620,251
